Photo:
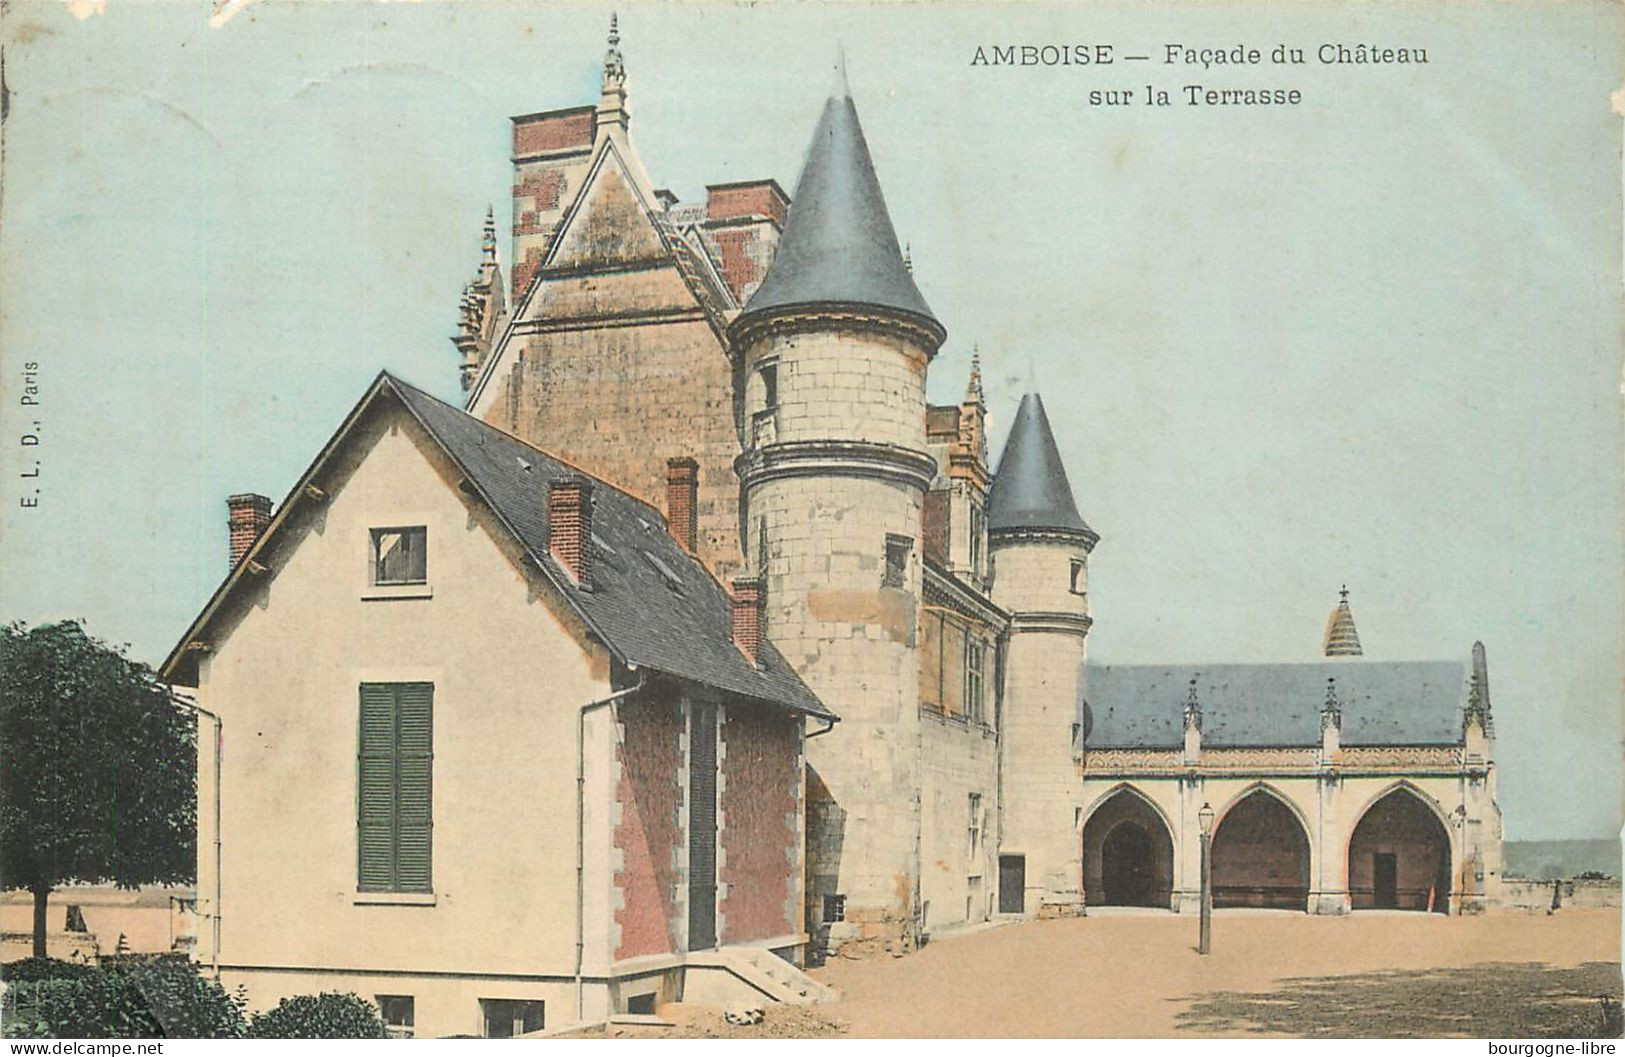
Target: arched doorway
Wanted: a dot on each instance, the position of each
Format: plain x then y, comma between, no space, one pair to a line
1260,856
1399,856
1128,854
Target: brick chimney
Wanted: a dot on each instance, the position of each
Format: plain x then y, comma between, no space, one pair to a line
747,617
249,516
569,526
682,489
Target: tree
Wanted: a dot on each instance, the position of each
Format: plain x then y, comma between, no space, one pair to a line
99,782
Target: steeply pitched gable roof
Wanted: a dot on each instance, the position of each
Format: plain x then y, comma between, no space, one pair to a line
681,628
1030,489
839,247
1248,705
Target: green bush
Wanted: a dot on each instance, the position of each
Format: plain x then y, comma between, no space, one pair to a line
44,969
134,1001
329,1015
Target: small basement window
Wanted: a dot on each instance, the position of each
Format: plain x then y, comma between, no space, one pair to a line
397,1014
400,555
642,1005
834,909
503,1018
898,550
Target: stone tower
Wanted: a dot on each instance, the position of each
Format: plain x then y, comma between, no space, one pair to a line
1040,554
831,355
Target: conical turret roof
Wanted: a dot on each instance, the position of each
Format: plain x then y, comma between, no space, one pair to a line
1342,640
839,246
1030,489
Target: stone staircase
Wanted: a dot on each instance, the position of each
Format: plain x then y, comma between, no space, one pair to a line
764,973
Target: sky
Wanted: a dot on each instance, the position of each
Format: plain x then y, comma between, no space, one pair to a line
1373,338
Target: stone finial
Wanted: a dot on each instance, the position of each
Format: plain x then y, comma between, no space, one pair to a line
614,65
973,388
1478,692
1331,711
1193,709
488,244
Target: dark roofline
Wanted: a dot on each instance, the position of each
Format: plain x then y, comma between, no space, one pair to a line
731,184
564,111
386,381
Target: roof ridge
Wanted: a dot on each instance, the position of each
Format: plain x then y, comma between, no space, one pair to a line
498,430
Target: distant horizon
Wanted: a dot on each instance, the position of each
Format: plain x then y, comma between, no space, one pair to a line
1373,339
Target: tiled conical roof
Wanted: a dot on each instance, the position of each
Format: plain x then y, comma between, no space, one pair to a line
1342,640
1030,489
839,247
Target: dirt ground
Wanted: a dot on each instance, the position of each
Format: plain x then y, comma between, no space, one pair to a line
1125,975
1271,972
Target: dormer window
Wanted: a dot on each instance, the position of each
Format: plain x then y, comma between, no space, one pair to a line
400,556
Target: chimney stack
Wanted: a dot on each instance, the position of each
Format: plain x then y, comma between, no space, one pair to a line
249,516
569,526
747,617
682,489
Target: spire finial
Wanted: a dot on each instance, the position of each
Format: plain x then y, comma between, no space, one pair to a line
973,389
908,257
1193,709
614,67
489,244
842,90
1341,639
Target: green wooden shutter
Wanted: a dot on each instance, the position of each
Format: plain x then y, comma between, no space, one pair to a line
413,797
375,800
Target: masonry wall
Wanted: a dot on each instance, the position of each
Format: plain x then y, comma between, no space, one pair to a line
760,818
285,673
649,833
957,760
616,366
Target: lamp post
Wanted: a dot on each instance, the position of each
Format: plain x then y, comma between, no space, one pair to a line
1204,942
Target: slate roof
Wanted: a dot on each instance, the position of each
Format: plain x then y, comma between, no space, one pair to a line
839,246
651,602
1030,489
1278,705
681,627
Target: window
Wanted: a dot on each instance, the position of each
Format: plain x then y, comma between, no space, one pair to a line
393,768
898,549
400,555
975,826
506,1017
834,909
975,654
642,1004
976,538
396,1011
1080,578
770,386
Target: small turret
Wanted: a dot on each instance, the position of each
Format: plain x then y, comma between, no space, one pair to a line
1341,639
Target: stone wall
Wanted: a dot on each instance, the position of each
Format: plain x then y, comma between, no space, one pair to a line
958,761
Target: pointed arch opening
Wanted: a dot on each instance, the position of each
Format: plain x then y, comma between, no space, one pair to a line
1399,856
1128,853
1260,855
